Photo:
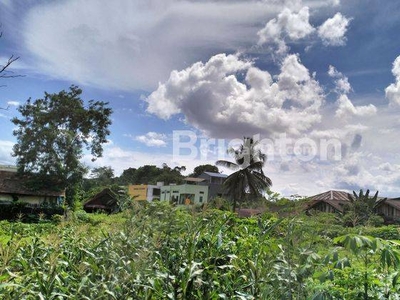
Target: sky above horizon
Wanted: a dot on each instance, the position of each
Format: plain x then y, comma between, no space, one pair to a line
317,82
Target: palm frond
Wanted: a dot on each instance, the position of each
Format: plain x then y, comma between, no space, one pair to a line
227,164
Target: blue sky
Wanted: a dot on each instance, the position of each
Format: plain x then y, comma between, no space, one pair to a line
309,72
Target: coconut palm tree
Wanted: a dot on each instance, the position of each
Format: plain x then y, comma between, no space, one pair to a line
249,177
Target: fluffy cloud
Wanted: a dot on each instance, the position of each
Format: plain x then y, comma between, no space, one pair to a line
291,24
152,139
213,99
341,81
393,90
332,31
346,109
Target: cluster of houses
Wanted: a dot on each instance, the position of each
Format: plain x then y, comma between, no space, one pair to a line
194,191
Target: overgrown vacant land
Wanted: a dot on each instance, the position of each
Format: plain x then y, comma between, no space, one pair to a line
164,252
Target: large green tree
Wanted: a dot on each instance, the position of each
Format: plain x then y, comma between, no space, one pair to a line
100,177
248,178
128,176
52,134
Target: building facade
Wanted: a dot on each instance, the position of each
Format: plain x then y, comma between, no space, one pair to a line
215,182
189,194
15,188
145,192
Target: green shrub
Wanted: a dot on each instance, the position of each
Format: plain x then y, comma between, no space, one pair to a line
57,219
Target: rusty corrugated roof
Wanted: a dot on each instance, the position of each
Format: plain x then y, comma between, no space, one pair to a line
394,202
12,183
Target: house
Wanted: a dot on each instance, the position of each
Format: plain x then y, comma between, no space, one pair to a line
191,192
334,202
14,188
389,209
215,182
106,201
330,201
145,192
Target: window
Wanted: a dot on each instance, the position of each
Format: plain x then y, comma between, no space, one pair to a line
201,199
201,192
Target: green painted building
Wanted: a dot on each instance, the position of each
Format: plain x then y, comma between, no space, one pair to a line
188,193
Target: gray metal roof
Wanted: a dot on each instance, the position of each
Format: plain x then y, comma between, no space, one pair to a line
212,174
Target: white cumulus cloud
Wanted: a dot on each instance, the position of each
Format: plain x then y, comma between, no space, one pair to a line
393,90
152,139
291,24
332,31
346,108
213,98
341,81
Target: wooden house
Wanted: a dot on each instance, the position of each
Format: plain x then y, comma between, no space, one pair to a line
389,209
106,201
330,201
15,188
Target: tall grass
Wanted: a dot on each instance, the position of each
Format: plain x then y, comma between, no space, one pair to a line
164,252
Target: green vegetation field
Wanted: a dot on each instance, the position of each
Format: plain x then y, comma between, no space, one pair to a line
164,252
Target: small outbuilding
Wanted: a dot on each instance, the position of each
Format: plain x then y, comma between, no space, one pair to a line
106,201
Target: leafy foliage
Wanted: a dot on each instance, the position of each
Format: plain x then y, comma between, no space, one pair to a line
361,209
52,133
150,174
197,171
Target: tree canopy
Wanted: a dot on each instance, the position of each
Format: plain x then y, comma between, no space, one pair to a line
150,174
204,168
53,132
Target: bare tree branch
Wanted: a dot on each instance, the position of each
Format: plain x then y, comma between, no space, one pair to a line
4,73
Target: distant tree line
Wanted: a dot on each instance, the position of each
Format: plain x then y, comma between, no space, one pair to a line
147,174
